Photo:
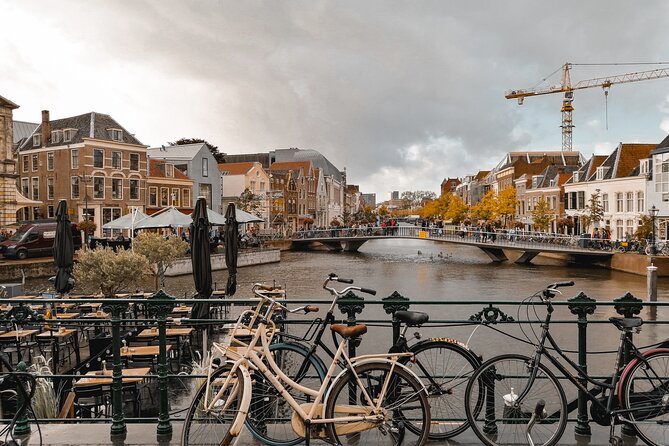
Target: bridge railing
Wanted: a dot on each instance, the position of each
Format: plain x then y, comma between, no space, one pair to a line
176,369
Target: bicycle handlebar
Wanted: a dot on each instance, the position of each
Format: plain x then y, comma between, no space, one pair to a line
561,284
368,291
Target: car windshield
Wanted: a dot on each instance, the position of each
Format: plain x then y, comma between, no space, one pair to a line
18,235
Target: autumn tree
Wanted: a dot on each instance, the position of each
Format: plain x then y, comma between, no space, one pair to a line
435,208
160,252
111,271
249,202
457,210
542,215
486,209
507,204
383,211
645,228
595,209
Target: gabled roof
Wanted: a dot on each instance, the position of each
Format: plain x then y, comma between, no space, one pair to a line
662,147
180,152
622,162
157,170
296,167
89,125
235,168
4,102
23,130
481,175
588,169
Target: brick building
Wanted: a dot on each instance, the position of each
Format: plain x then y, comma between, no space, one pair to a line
168,186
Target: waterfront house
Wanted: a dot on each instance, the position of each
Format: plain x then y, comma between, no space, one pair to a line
90,160
198,163
168,186
237,177
656,170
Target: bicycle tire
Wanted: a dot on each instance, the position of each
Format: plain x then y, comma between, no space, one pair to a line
268,405
500,423
405,399
643,393
444,367
219,434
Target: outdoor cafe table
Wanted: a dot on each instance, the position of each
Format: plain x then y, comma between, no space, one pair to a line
17,336
181,309
104,377
65,305
66,315
56,337
177,333
144,350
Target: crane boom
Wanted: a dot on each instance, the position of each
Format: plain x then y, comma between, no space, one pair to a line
567,88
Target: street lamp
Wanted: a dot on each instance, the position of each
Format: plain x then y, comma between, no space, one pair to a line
85,179
653,214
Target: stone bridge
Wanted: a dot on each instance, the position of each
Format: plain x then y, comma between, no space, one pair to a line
493,244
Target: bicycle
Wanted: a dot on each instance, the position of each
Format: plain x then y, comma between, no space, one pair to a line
444,365
371,400
525,403
25,384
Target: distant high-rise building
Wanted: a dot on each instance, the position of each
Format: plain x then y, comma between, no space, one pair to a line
369,199
395,195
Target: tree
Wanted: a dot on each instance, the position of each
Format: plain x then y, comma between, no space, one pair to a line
111,271
486,209
645,228
542,215
436,208
415,199
88,226
457,210
594,211
161,253
212,148
383,211
507,204
249,202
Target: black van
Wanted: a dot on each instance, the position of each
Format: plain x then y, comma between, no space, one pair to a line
35,239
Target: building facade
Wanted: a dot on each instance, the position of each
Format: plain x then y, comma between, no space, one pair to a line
168,186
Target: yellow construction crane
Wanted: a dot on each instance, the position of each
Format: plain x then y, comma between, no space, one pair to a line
568,89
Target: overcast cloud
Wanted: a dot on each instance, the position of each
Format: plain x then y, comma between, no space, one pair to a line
402,94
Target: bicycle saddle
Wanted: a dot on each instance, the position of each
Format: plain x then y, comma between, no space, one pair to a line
349,332
626,322
412,318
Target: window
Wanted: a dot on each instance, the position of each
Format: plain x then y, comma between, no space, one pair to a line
601,172
134,162
186,198
37,213
25,187
116,134
644,167
605,202
49,212
56,136
205,191
25,163
98,187
49,188
35,188
629,226
619,229
74,187
630,202
98,158
117,188
253,186
110,214
619,202
661,176
74,158
153,196
164,196
176,197
169,170
116,160
640,202
37,140
134,189
49,161
205,167
35,162
68,135
580,200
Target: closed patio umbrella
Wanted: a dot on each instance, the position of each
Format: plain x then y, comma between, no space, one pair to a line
63,250
231,248
200,258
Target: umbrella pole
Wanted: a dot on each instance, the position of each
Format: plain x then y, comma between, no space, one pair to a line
132,229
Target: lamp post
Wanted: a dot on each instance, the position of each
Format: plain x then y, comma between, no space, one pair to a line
269,214
653,214
85,179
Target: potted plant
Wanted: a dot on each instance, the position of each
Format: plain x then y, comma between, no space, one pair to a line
111,272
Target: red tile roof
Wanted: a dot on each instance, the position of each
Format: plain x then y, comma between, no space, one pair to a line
235,168
291,165
158,171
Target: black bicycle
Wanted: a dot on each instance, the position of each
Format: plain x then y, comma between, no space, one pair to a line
17,384
526,404
444,366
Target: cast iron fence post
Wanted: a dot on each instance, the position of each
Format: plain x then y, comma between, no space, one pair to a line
351,304
391,304
628,306
160,305
581,305
118,428
22,426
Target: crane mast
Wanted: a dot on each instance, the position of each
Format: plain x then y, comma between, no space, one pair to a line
568,89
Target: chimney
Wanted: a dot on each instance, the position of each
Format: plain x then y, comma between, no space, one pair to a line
46,128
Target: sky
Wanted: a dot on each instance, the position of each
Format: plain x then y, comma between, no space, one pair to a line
400,93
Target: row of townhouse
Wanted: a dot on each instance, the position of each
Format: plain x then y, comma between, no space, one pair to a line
104,171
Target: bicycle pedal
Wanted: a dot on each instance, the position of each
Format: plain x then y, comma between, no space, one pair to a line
616,441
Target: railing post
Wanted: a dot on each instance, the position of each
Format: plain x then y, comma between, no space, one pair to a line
118,428
391,304
22,426
581,305
351,304
628,306
160,305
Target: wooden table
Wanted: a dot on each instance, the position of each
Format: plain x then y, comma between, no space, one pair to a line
65,306
66,315
181,309
91,305
174,332
97,315
99,377
56,337
144,350
27,297
16,336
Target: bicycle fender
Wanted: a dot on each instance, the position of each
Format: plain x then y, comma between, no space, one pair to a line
244,404
632,363
367,361
459,345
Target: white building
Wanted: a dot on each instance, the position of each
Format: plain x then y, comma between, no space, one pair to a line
656,168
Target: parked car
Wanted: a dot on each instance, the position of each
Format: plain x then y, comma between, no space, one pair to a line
35,239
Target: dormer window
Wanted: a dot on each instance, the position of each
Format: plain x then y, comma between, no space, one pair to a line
169,170
576,177
644,167
601,172
552,183
37,140
116,134
56,136
68,134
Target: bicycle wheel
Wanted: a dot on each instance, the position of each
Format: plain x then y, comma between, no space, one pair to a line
445,369
211,427
405,401
503,422
644,392
269,415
